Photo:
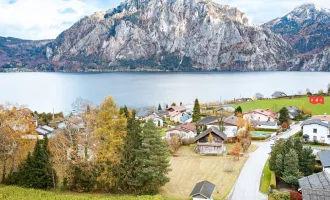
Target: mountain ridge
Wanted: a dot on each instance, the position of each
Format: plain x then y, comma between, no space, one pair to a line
167,35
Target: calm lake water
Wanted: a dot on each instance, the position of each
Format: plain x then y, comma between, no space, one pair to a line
47,91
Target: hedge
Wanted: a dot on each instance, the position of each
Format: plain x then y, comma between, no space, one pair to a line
267,130
260,137
272,180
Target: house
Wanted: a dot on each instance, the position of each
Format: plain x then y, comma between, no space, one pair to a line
230,125
142,114
324,157
228,108
203,190
293,112
183,131
315,187
45,131
317,130
28,115
176,112
213,144
278,94
243,99
162,113
186,118
209,121
265,125
260,115
158,121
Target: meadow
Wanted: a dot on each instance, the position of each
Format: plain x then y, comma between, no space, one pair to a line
277,104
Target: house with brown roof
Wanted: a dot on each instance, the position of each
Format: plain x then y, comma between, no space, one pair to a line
260,115
211,142
183,131
176,112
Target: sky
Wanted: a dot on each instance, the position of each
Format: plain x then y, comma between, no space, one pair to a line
45,19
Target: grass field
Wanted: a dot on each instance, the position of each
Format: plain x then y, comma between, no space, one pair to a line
265,179
189,168
16,193
317,109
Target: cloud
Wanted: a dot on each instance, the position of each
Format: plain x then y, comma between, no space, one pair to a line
67,10
45,19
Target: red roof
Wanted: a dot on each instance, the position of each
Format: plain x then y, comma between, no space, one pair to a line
186,127
268,113
322,117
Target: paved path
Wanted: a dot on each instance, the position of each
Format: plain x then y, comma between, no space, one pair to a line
248,182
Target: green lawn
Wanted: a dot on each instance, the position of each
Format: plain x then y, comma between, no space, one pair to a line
16,193
265,179
162,131
317,109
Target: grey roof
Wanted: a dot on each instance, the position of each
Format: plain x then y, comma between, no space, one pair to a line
204,189
278,94
316,181
47,128
207,120
293,110
316,121
231,120
41,131
315,194
264,123
162,113
324,158
208,131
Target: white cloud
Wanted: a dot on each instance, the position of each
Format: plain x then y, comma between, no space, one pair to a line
43,19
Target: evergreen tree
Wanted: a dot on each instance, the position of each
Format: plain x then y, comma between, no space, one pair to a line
279,168
277,149
288,145
196,112
126,173
37,171
152,162
173,104
124,111
298,146
238,110
198,130
284,115
291,172
166,106
159,107
306,161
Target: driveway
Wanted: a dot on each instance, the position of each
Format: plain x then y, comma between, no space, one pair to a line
248,182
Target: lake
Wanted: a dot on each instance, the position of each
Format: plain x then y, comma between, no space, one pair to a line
48,91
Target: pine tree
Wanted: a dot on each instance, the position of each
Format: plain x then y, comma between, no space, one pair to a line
196,112
159,107
152,161
37,171
238,110
291,172
124,111
279,168
166,106
284,115
126,173
306,161
173,104
298,146
277,149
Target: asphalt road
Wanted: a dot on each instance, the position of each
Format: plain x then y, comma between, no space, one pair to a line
248,182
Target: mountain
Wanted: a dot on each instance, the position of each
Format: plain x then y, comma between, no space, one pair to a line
176,35
16,52
307,29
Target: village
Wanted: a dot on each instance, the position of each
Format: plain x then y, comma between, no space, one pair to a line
210,145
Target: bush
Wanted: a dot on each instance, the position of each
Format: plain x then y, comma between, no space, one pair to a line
294,195
266,130
187,142
298,134
315,142
272,180
281,195
260,137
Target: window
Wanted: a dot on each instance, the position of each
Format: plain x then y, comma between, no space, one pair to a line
314,130
315,138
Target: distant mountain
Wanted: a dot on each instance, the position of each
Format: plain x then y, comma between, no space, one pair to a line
181,35
307,29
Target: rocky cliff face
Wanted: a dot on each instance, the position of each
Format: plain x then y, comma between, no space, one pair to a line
307,29
173,35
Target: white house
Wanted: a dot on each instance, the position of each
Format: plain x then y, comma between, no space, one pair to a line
158,121
265,125
183,131
260,115
325,160
317,130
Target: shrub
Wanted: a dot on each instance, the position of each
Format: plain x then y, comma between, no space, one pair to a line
260,137
315,142
294,195
266,129
281,195
187,142
272,180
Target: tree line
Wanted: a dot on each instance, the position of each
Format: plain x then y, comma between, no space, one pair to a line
99,149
